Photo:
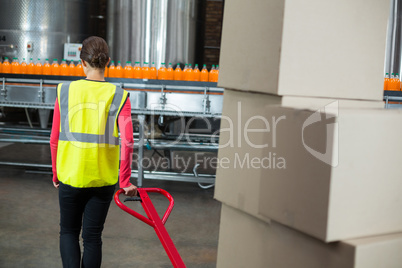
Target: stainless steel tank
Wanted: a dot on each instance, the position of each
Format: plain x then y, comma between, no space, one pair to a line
39,28
152,30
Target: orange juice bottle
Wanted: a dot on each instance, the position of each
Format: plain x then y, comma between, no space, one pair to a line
392,85
178,73
82,70
47,69
6,66
79,69
145,71
24,67
38,68
71,69
128,70
1,68
204,76
31,67
184,72
106,72
397,86
169,72
162,75
55,67
152,71
64,68
217,73
189,74
392,82
15,66
137,70
212,74
196,74
386,81
119,70
112,69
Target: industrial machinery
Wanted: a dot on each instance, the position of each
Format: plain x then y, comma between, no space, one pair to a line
152,31
40,28
170,116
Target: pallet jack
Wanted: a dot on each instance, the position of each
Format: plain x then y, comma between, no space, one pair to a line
153,219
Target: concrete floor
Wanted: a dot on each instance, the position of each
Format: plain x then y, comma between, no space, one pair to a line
29,221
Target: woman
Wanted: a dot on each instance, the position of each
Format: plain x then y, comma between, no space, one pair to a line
85,154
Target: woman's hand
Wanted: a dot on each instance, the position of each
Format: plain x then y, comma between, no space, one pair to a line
130,190
56,184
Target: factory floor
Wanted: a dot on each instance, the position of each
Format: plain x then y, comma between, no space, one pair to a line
29,220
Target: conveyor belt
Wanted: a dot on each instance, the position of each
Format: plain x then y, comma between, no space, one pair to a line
148,97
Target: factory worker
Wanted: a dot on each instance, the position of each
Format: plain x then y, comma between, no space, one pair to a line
88,115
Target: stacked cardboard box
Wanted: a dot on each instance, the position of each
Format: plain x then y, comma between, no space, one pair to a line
308,172
245,241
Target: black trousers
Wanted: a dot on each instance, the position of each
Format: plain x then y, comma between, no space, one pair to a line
84,208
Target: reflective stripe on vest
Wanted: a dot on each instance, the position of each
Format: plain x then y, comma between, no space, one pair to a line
107,138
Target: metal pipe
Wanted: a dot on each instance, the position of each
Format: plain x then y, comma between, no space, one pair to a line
22,130
19,164
28,141
141,142
28,118
393,55
171,176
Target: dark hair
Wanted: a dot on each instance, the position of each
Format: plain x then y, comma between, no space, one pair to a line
95,51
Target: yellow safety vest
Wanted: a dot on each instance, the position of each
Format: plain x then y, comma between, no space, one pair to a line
88,148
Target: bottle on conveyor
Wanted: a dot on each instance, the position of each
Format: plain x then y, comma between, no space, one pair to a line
196,73
189,73
6,66
38,68
47,68
23,67
71,69
31,67
15,66
137,70
64,68
112,69
119,70
152,71
184,72
211,74
204,76
145,71
128,71
216,78
169,72
162,72
178,73
79,70
397,86
55,67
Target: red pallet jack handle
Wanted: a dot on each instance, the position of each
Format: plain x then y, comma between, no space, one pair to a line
154,220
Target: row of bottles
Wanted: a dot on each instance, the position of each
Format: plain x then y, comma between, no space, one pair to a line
163,73
137,71
38,68
392,83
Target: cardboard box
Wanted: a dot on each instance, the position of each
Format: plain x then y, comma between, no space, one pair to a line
341,176
245,241
237,181
305,48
